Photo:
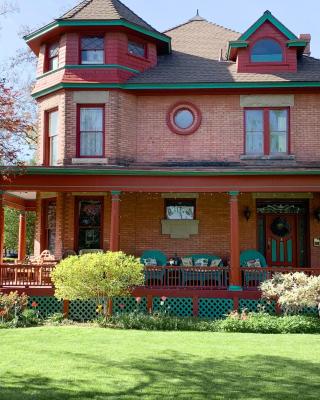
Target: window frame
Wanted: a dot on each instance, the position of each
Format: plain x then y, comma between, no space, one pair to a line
48,58
77,226
47,137
174,202
266,131
92,35
78,146
283,50
139,42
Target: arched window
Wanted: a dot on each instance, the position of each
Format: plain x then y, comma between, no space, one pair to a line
266,50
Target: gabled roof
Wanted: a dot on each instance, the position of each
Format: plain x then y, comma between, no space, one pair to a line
105,10
267,16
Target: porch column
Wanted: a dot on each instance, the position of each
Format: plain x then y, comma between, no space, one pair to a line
1,226
115,221
22,236
235,272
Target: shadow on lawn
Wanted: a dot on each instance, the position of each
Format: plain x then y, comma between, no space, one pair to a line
174,375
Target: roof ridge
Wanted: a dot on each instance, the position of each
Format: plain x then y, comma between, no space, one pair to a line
73,11
138,16
204,20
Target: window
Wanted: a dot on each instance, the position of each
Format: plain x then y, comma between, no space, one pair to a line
180,209
267,131
184,118
53,56
92,50
91,135
53,137
89,223
266,50
137,49
49,208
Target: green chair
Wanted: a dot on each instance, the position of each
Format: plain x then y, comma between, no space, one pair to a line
193,275
161,258
258,276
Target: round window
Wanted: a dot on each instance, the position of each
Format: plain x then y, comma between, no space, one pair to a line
184,118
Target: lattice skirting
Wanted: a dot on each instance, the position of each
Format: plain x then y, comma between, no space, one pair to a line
177,306
46,305
215,308
257,305
82,310
128,304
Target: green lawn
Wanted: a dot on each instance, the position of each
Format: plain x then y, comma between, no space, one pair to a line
91,363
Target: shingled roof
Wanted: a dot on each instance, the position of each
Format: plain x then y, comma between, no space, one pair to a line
105,10
197,46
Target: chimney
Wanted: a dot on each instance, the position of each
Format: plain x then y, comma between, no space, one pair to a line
307,38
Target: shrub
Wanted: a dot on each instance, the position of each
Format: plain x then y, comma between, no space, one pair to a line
293,291
56,319
265,323
97,276
11,306
28,318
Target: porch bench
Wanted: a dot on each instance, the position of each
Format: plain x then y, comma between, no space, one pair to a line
154,273
252,278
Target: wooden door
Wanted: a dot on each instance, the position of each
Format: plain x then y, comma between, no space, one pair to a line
281,240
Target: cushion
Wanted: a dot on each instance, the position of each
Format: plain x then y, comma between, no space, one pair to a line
186,261
216,262
201,262
254,263
150,262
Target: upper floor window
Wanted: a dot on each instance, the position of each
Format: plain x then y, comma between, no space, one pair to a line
92,50
266,50
267,131
53,137
137,49
53,56
91,131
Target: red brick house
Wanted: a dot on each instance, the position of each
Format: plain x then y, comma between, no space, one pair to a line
198,140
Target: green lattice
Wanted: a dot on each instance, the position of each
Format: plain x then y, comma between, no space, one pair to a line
215,308
257,305
46,305
310,311
128,304
80,310
177,306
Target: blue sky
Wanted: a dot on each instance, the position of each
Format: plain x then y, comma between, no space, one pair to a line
298,16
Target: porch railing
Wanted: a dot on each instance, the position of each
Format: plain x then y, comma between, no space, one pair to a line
253,277
28,275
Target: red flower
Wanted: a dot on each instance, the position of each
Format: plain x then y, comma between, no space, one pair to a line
138,299
163,298
3,313
122,306
34,304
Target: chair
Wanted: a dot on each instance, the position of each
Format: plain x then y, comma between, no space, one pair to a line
249,255
194,273
158,273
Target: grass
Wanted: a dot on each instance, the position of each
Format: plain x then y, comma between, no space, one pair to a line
80,363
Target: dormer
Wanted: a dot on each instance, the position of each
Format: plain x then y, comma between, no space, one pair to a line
267,47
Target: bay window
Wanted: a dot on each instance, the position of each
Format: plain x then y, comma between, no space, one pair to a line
91,131
92,50
267,131
53,57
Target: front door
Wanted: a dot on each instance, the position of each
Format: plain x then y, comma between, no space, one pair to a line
281,240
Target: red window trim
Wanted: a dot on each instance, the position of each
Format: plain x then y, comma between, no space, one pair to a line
46,137
47,58
92,34
266,130
79,106
76,218
141,42
184,106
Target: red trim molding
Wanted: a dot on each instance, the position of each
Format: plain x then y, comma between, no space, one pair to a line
173,110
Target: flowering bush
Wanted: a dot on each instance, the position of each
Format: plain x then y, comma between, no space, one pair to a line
11,306
293,291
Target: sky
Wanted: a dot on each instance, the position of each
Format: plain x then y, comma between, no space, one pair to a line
299,16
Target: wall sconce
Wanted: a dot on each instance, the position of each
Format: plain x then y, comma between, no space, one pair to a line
247,213
317,214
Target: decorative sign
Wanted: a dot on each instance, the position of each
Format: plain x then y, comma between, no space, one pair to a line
316,242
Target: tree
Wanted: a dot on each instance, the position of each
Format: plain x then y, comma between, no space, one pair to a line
293,291
97,276
11,230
